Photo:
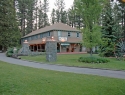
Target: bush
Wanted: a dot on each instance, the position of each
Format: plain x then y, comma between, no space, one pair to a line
93,60
9,52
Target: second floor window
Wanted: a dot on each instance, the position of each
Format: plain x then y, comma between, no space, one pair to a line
29,38
48,33
59,33
77,34
69,34
32,38
36,36
41,35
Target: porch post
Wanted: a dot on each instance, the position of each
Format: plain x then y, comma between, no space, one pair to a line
40,47
33,48
60,47
37,47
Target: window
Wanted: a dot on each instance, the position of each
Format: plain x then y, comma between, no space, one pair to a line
23,39
69,34
36,37
29,38
77,34
59,33
41,35
48,33
32,38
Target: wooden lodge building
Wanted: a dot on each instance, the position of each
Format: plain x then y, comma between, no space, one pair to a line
68,38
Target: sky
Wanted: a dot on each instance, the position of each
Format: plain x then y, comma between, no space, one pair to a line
68,4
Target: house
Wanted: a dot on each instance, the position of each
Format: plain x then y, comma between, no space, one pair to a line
68,38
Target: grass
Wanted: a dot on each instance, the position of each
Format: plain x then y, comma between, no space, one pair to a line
72,60
20,80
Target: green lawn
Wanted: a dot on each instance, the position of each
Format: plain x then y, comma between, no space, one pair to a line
19,80
72,60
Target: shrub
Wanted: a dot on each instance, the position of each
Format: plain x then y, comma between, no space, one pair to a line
9,52
93,60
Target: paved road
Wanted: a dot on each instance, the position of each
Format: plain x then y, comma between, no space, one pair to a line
107,73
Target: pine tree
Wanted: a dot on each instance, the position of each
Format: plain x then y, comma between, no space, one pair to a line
57,16
64,17
35,25
60,5
9,32
45,11
21,6
122,16
53,16
111,31
25,14
30,16
71,17
40,16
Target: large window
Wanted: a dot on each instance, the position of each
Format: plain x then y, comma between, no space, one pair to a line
59,34
69,34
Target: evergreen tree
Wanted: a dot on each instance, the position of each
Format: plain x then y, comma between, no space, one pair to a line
36,16
57,16
21,7
111,31
122,16
45,11
9,32
75,18
25,14
40,16
78,21
53,16
71,17
60,5
64,17
30,16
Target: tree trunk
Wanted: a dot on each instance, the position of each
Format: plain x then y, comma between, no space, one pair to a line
90,52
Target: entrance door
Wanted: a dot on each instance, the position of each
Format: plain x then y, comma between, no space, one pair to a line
58,47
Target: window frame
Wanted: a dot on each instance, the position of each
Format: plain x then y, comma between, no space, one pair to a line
59,33
69,34
49,34
77,34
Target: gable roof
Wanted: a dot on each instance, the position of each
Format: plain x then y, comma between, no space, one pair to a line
57,26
